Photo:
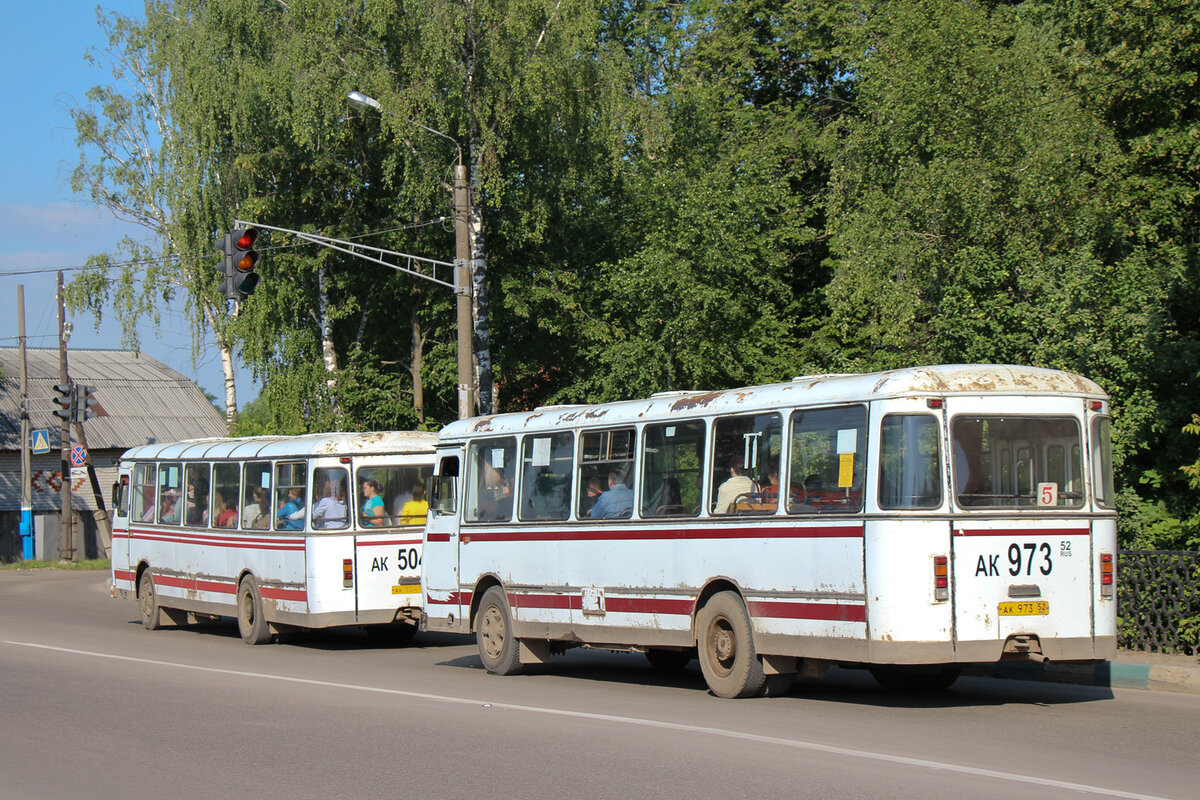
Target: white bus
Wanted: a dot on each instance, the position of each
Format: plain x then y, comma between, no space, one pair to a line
909,521
308,531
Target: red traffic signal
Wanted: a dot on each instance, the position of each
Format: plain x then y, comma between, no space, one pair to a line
238,263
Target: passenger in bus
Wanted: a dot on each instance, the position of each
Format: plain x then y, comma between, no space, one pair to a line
330,512
617,502
169,511
228,516
416,510
595,488
738,483
254,515
291,516
372,507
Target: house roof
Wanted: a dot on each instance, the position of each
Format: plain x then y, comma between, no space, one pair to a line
139,400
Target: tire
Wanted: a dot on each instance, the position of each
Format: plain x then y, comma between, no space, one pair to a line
668,660
252,625
148,602
726,648
498,648
915,680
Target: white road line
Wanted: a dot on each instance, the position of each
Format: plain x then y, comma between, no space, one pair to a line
797,744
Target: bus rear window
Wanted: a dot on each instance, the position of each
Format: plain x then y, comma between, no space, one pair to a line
1006,462
908,462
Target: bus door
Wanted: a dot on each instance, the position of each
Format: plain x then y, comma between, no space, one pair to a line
390,509
122,495
1021,535
439,565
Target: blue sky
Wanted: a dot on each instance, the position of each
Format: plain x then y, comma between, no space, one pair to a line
43,225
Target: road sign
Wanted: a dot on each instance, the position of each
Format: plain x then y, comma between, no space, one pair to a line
39,441
78,455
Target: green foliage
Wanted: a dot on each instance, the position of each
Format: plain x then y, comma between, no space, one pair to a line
674,195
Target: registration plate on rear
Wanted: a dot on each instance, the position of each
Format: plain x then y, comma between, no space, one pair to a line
1038,608
408,588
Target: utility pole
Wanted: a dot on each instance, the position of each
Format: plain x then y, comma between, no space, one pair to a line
26,470
467,402
66,543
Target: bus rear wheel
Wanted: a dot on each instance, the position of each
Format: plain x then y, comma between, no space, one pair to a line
148,603
726,648
498,648
252,625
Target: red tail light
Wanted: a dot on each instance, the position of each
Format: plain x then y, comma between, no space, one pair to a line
347,572
1107,576
941,578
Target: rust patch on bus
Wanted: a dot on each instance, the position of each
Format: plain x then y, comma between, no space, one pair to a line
695,401
481,425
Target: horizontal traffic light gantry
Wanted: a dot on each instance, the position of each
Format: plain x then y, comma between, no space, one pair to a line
238,260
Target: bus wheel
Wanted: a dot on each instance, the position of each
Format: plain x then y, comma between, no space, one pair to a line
726,648
251,622
148,603
914,680
668,660
498,647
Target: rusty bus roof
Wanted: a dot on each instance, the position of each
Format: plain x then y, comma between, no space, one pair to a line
940,381
310,444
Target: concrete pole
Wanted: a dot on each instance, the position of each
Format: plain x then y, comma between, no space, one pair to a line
26,468
462,290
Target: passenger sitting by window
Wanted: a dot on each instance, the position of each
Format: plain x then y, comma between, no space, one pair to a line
738,483
291,516
228,516
617,502
416,510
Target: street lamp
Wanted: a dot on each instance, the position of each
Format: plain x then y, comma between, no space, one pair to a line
467,392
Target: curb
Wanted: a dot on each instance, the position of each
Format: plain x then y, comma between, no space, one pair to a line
1111,674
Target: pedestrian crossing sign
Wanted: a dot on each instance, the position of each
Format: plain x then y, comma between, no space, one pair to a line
40,441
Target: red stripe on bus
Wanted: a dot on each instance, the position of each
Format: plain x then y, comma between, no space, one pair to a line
833,612
269,593
206,540
195,584
456,598
669,534
122,574
389,543
1022,532
437,537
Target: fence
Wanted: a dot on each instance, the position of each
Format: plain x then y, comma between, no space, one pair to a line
1158,600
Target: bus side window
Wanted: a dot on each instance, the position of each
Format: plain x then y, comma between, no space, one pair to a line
170,494
605,469
827,462
909,455
492,468
444,498
141,500
546,463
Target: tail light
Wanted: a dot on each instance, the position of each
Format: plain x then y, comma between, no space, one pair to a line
347,572
1107,576
941,578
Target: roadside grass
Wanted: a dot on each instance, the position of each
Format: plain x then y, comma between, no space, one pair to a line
86,563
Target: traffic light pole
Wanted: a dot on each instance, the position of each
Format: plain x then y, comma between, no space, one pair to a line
66,544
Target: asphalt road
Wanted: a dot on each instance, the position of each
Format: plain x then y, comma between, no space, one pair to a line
93,706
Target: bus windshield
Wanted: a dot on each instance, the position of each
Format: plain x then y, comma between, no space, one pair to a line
1017,461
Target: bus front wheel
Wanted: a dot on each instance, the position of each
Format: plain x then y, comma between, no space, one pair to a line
498,648
148,603
252,625
726,648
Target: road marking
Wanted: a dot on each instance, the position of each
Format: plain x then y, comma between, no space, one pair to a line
797,744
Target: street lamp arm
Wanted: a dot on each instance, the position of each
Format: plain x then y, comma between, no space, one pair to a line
366,101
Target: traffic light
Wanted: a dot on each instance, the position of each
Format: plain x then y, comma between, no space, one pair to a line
84,403
238,262
64,398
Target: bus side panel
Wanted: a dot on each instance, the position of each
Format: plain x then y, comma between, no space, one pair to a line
387,573
330,601
279,568
531,571
1104,540
905,623
1022,578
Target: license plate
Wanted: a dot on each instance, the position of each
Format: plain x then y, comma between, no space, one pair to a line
1036,608
412,588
